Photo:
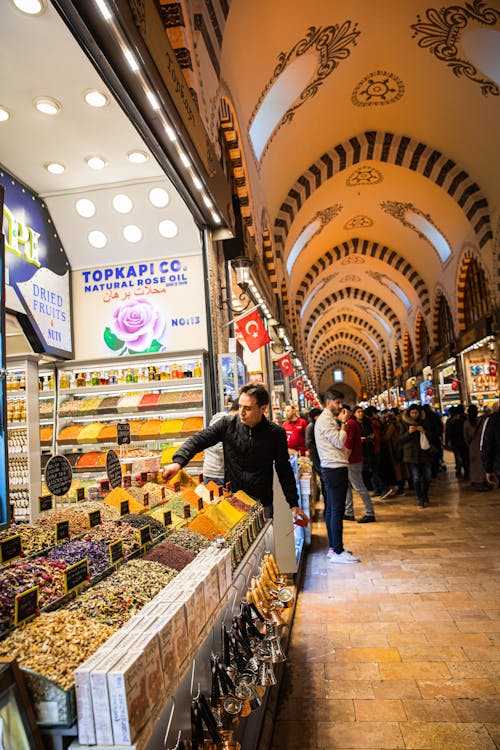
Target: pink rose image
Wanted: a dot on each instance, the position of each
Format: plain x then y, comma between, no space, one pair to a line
137,323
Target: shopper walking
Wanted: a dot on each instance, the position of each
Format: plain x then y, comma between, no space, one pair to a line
490,449
474,430
252,447
455,441
354,447
390,438
380,486
295,427
213,458
330,433
416,456
313,451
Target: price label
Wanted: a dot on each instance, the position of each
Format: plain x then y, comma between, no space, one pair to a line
62,531
128,468
127,480
94,518
187,511
177,487
75,575
144,477
25,605
58,475
221,491
200,478
45,503
115,551
163,493
113,469
167,518
145,499
200,503
123,433
104,487
10,548
80,494
124,507
145,534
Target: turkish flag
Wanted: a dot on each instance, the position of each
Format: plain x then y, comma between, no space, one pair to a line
298,383
253,330
309,395
493,368
286,365
455,384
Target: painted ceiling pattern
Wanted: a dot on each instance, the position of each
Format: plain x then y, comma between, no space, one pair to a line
377,89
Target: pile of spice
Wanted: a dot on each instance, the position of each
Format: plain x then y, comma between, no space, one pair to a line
55,644
189,539
154,492
138,521
159,512
204,526
118,495
170,555
176,504
33,538
238,504
114,531
23,575
144,577
97,554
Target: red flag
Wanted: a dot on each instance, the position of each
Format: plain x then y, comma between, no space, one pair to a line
455,384
493,368
298,383
253,330
286,365
309,395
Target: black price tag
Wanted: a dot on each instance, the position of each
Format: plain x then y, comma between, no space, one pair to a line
167,518
45,503
145,534
113,469
94,518
163,493
75,575
104,487
115,551
12,511
80,494
200,503
128,468
123,433
144,477
187,511
58,475
124,507
10,548
62,531
221,491
177,487
127,480
145,499
25,605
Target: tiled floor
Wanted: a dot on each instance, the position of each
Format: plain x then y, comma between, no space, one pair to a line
403,649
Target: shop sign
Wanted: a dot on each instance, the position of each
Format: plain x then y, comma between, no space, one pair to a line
36,267
147,307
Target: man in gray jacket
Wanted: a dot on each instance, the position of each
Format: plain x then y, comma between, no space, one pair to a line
330,434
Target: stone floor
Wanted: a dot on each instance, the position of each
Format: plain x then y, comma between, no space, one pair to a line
403,649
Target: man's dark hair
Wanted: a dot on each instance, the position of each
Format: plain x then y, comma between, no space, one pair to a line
258,391
332,396
315,412
234,406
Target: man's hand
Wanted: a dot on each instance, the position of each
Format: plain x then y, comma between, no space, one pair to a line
170,471
491,478
298,513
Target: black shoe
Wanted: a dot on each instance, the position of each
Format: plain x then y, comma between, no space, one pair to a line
367,519
349,518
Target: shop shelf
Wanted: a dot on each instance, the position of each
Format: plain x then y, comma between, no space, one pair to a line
16,425
193,411
149,385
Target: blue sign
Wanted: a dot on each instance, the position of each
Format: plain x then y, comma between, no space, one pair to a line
36,266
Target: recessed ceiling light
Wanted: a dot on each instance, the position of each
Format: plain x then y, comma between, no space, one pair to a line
184,159
171,133
167,228
132,233
197,183
122,203
85,208
31,7
216,217
96,162
97,239
137,157
159,197
54,167
95,98
4,114
134,65
208,203
47,105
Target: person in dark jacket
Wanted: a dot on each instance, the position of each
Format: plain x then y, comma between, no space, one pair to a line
252,447
313,455
490,449
454,440
419,460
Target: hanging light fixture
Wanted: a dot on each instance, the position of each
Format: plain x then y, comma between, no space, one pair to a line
241,267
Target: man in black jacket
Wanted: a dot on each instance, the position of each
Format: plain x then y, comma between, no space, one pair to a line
490,449
252,445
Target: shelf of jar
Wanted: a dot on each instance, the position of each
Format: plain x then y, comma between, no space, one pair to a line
149,385
15,395
17,425
163,442
194,411
18,454
43,396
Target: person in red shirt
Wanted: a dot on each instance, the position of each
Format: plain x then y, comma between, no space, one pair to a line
354,446
295,428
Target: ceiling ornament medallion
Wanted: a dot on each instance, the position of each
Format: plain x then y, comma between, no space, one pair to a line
377,89
364,176
441,31
352,259
359,222
350,278
399,210
333,45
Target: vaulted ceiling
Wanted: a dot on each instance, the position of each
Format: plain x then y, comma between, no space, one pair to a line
381,173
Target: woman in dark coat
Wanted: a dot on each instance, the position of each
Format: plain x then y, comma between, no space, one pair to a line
419,460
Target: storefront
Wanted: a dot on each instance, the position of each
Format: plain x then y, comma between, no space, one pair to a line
446,378
479,365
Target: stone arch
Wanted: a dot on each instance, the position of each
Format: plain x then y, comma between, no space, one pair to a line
364,345
408,355
348,351
228,125
346,318
468,257
358,294
399,150
436,322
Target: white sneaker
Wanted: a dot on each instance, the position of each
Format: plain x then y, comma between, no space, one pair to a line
343,557
330,553
390,492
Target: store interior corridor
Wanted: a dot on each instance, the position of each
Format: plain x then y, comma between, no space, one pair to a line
403,649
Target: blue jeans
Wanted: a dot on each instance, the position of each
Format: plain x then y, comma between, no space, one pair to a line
421,475
335,481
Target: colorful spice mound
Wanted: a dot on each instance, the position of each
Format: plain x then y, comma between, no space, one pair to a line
97,554
24,574
204,526
176,505
190,540
33,538
170,555
118,495
138,521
